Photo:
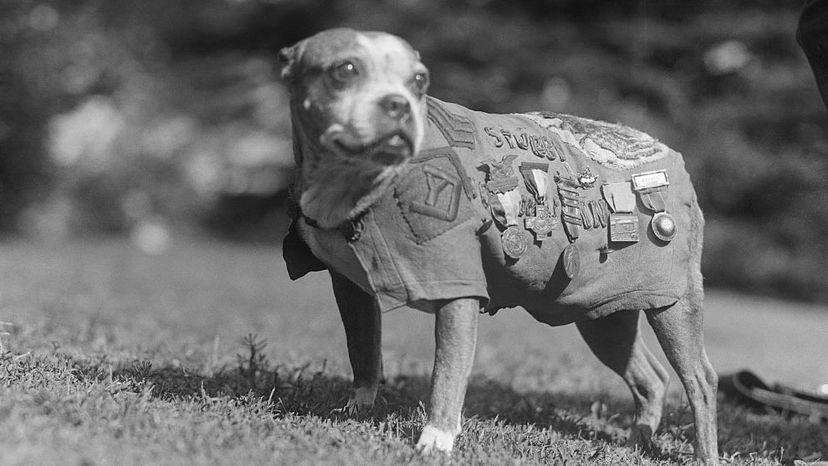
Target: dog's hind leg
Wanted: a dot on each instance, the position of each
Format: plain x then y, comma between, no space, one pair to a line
679,330
616,341
363,332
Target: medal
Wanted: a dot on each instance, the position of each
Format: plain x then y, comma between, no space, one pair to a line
663,226
515,242
542,223
571,261
623,223
536,177
501,175
623,227
650,181
501,183
650,187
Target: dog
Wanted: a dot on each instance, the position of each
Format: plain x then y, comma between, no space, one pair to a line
409,201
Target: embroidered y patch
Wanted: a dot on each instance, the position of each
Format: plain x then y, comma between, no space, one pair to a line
438,181
433,194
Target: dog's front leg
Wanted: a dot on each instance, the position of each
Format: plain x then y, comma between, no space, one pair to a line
456,337
363,332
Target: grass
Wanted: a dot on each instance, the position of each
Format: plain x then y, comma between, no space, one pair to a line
208,354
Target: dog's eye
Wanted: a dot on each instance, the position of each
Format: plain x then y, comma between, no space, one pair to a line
421,82
344,72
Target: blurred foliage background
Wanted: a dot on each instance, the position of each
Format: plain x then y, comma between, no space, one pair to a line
159,119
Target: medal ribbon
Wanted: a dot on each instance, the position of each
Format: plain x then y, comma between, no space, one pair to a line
510,201
620,196
654,200
536,178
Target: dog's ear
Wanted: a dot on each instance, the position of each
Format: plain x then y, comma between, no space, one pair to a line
288,60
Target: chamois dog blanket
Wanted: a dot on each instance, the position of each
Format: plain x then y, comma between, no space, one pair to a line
547,210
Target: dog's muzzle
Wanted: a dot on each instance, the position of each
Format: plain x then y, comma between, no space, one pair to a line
391,149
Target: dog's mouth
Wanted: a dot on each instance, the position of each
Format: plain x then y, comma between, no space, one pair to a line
392,149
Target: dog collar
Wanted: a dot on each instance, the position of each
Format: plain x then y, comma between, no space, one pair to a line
351,229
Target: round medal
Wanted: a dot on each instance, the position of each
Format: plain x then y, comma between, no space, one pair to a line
515,242
664,226
571,261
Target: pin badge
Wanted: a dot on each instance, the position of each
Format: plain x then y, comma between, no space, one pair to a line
571,261
515,242
501,175
586,179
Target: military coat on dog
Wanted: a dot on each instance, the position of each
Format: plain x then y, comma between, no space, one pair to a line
520,209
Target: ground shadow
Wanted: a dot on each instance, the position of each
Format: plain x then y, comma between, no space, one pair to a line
304,391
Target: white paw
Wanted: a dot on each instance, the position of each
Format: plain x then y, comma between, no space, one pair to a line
434,439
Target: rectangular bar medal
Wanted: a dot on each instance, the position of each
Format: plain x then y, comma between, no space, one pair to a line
650,181
623,227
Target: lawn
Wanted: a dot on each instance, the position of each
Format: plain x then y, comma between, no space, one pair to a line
208,354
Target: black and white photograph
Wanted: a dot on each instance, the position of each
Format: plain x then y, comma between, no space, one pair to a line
377,232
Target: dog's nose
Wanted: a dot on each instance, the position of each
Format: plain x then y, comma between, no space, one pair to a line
396,106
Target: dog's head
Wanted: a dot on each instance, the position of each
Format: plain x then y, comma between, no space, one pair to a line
359,95
359,114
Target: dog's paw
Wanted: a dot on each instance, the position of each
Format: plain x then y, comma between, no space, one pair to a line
641,436
360,403
433,439
355,408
